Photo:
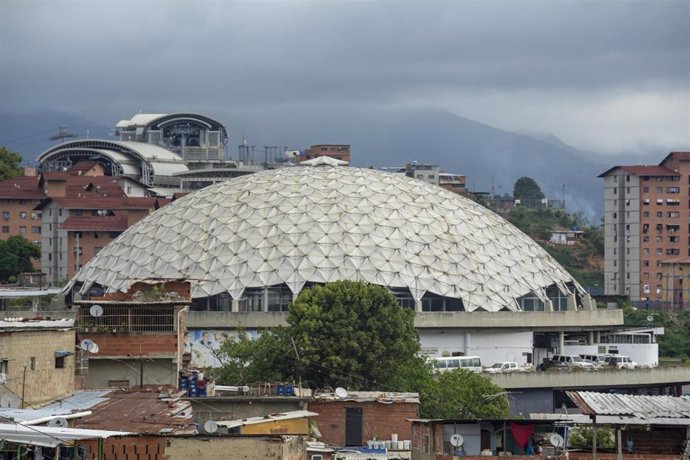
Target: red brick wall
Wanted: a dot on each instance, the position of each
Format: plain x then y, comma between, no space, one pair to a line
127,448
379,420
122,344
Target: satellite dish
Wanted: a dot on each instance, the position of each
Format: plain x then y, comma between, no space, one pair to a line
341,392
556,440
96,311
10,401
457,440
89,345
59,422
210,426
650,318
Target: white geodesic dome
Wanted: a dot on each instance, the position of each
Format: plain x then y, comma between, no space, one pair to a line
300,225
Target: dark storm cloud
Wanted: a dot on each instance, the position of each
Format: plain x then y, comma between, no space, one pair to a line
158,55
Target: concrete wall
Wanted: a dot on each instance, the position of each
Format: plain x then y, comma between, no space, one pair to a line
657,376
44,383
492,346
524,402
244,447
378,420
566,320
101,371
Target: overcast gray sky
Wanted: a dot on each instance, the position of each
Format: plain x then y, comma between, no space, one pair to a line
601,75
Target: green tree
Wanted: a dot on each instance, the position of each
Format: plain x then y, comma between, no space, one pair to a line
16,254
464,395
246,360
9,164
351,334
526,188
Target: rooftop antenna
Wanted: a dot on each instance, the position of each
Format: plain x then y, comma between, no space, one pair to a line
62,134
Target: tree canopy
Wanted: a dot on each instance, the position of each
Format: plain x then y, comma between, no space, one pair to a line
526,188
9,164
15,256
351,334
355,335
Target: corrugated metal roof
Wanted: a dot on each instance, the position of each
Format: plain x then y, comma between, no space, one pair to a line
10,324
49,436
267,418
642,407
143,411
369,396
78,402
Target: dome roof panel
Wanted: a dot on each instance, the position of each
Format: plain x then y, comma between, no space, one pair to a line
318,224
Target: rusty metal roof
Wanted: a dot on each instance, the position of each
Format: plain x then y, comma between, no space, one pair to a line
370,396
633,407
145,411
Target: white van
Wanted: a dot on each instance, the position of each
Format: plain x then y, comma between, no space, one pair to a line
621,362
597,360
444,364
570,361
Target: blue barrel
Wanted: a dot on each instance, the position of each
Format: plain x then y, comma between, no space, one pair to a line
280,390
184,381
289,390
192,391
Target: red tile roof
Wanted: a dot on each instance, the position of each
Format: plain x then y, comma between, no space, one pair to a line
117,223
642,170
90,202
21,187
147,411
81,166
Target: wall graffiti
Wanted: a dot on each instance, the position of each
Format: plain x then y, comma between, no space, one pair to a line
203,345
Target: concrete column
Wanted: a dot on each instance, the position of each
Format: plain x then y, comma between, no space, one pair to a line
468,343
418,305
619,444
591,338
548,305
264,307
597,336
571,303
561,342
235,306
594,442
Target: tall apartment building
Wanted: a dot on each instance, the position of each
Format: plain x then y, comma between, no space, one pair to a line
646,224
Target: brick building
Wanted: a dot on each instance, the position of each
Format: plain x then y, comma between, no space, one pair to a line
338,151
646,212
18,198
36,360
364,415
140,336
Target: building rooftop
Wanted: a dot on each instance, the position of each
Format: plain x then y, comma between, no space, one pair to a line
370,396
117,223
17,324
267,418
642,170
150,410
22,187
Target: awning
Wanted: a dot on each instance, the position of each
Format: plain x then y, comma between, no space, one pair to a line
50,436
63,353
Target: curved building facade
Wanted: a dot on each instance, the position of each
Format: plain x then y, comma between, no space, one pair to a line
259,239
149,164
195,137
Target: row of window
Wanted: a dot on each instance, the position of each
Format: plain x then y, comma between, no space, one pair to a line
22,215
22,229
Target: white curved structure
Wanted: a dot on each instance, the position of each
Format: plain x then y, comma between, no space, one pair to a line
147,163
300,225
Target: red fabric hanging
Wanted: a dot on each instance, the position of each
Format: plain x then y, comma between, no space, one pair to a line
521,433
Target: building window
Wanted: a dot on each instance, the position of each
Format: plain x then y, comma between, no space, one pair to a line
645,275
5,229
22,214
645,251
36,229
35,215
672,189
673,214
96,250
59,362
6,215
32,363
659,251
645,214
645,263
22,230
645,189
659,190
4,366
659,214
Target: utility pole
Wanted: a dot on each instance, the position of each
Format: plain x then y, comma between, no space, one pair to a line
23,387
141,369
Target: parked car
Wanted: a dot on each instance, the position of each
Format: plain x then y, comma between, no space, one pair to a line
596,360
621,362
573,361
504,366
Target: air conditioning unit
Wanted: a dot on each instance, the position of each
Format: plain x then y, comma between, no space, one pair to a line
3,378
